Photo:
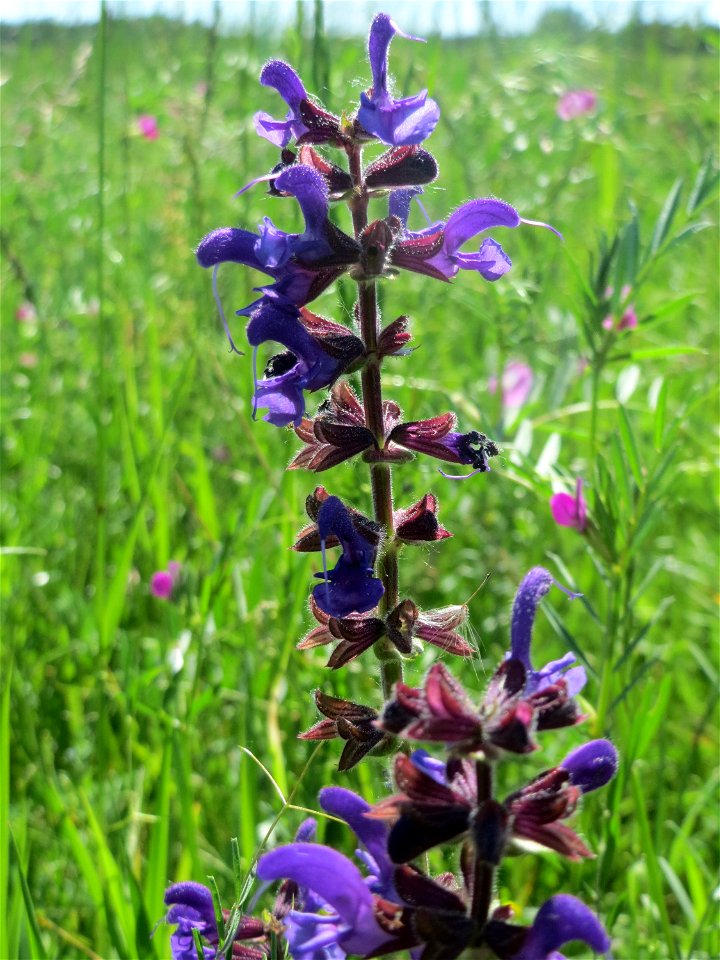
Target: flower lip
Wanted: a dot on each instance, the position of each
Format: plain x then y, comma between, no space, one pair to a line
591,765
396,122
559,920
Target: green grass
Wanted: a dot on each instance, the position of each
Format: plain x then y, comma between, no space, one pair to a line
128,442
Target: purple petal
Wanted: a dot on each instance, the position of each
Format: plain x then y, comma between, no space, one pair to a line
335,880
273,247
278,132
355,592
372,833
474,217
560,920
306,831
382,30
576,678
229,244
281,77
399,122
491,261
530,592
283,399
194,895
592,765
400,200
311,191
434,768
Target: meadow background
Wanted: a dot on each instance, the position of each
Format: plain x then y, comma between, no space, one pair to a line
128,443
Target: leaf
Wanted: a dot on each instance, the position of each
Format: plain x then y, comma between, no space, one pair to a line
656,353
705,182
630,447
660,412
667,214
39,949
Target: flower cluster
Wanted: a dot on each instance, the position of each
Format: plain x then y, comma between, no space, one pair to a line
328,907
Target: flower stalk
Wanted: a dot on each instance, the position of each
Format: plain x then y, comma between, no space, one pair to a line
325,902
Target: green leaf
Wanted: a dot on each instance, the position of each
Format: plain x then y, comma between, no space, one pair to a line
656,353
630,447
38,948
667,214
660,411
705,183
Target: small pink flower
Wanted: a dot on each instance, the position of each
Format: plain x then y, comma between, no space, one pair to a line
569,511
575,103
163,582
148,126
517,381
26,313
629,320
28,360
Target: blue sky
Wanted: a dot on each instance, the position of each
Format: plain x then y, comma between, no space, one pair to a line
452,16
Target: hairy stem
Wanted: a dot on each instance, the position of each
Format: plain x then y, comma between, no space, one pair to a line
380,473
484,869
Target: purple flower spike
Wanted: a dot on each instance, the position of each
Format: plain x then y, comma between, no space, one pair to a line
190,907
350,587
340,885
396,122
592,765
560,920
569,511
531,591
281,77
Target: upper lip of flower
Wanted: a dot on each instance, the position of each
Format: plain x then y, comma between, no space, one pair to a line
397,122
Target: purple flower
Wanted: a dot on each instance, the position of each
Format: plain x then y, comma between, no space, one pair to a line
575,103
436,438
350,587
436,250
288,84
305,365
531,591
163,582
339,887
560,920
592,765
373,834
191,907
397,122
517,381
569,511
301,264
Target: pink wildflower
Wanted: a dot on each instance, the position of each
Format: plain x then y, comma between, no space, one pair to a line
26,312
163,582
575,103
517,381
148,126
28,360
569,511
